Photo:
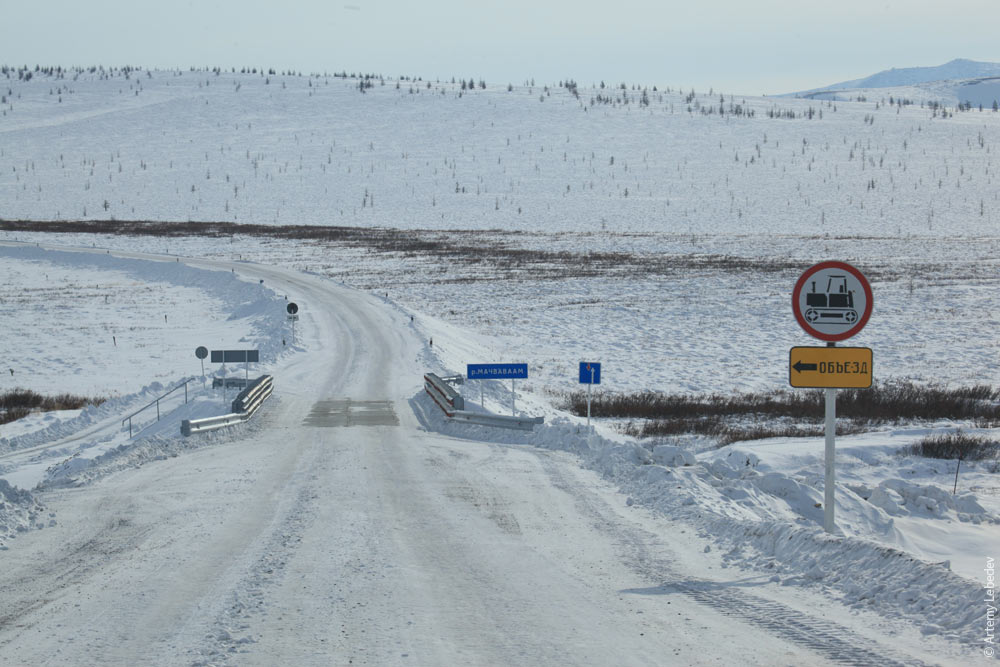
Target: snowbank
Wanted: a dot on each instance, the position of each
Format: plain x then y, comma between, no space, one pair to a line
95,324
19,511
771,522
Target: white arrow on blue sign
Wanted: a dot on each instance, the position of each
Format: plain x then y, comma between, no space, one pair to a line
590,372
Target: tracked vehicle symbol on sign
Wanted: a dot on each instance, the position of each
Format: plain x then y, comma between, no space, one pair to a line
834,306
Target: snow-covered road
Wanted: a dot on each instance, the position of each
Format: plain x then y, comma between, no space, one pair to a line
339,529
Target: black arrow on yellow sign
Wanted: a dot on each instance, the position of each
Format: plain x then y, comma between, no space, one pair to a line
830,367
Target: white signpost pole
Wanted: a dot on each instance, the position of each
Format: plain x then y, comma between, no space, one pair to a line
589,387
292,308
513,412
828,486
830,457
201,352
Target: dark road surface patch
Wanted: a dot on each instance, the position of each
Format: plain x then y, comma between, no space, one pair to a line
345,412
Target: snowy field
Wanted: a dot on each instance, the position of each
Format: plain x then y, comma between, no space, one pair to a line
98,325
707,220
316,151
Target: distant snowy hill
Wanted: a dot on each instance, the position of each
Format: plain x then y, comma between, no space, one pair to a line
957,81
909,76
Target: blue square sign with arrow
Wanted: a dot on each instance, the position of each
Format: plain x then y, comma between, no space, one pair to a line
590,372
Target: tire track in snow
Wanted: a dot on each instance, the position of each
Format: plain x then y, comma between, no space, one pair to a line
247,600
48,581
479,492
825,638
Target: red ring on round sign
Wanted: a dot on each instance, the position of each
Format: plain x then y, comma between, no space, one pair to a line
862,321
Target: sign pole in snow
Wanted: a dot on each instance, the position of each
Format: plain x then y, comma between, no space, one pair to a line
831,301
293,309
590,374
201,352
830,457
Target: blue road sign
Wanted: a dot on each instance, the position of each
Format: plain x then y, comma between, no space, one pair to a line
497,371
590,372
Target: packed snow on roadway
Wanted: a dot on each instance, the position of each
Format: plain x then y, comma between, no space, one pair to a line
532,170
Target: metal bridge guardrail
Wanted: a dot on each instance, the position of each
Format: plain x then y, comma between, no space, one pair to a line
453,405
250,398
443,394
156,402
244,407
189,426
501,421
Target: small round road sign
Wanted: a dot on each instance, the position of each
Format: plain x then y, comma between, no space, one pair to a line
201,352
292,308
832,301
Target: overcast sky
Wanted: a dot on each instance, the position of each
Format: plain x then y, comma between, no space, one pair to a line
737,46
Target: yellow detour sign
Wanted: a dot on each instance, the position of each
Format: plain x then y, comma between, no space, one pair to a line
830,367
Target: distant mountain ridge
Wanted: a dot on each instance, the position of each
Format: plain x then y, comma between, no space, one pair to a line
959,68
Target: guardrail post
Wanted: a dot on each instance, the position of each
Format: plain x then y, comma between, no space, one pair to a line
157,409
129,427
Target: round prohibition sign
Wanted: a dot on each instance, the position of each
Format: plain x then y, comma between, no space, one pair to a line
832,301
